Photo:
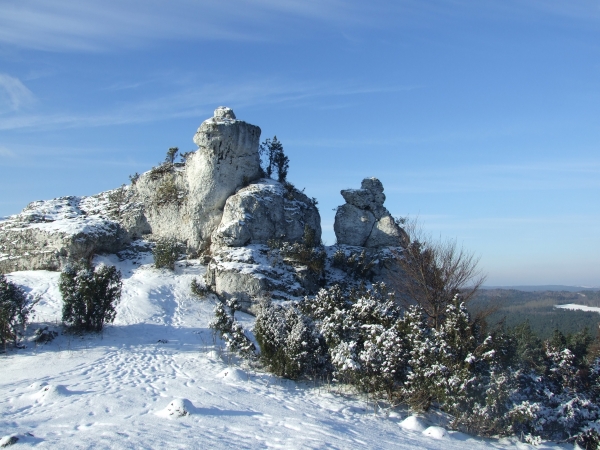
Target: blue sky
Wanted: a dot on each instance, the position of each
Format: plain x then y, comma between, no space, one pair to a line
480,118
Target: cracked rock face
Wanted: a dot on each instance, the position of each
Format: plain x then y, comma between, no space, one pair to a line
363,221
266,210
227,158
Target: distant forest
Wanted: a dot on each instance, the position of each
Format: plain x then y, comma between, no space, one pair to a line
515,307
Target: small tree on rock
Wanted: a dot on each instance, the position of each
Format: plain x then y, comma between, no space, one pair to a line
274,159
171,154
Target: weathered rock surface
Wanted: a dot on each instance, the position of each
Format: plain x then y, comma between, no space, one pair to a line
363,221
266,210
49,234
250,273
186,201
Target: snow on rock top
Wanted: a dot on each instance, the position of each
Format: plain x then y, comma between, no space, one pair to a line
266,210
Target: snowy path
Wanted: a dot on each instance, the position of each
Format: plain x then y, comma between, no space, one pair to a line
111,390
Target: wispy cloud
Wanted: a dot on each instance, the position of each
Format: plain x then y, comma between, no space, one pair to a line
191,100
14,95
97,25
67,25
4,152
537,175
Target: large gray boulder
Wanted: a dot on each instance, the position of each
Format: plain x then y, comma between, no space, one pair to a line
364,222
266,210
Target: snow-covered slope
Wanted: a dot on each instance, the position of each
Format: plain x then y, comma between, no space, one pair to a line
156,378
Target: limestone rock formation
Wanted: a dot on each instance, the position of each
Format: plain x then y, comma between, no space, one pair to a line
266,210
186,202
249,273
49,234
363,221
213,197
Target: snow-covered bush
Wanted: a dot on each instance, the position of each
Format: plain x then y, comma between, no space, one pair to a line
89,296
357,264
197,289
222,321
290,346
166,251
15,308
230,330
363,331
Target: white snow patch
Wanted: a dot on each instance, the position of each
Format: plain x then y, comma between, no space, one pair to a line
49,393
575,307
436,432
413,423
115,389
233,374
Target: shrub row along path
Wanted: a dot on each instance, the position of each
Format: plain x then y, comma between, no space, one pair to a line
157,379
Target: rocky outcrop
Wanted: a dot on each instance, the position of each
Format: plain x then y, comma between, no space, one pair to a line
252,272
186,202
49,234
266,210
213,197
363,221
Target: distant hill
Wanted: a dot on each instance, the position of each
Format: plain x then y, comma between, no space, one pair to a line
545,287
514,306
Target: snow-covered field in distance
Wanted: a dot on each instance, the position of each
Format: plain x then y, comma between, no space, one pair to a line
545,287
575,307
129,386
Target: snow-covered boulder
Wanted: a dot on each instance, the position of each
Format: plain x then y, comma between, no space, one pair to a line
363,221
49,234
179,407
266,210
252,272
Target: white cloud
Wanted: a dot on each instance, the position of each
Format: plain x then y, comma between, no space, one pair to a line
67,25
14,95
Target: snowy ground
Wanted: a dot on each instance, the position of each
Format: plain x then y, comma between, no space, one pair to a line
127,387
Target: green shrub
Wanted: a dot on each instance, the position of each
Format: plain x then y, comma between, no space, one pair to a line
15,308
197,289
89,297
133,178
168,192
308,253
357,264
311,257
166,252
161,170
